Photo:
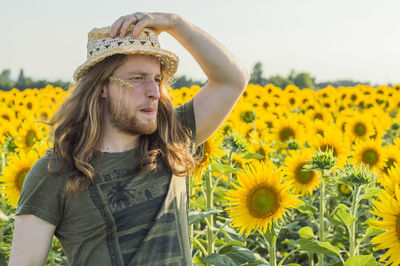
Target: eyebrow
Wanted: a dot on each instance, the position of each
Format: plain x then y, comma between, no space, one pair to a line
143,74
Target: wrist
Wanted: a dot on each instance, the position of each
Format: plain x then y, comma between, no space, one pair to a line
178,25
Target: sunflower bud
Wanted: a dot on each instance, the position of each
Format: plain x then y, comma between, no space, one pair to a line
323,160
293,144
357,175
235,142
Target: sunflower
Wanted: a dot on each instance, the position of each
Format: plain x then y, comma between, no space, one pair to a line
14,174
387,207
210,149
359,128
290,100
260,199
332,140
303,182
29,133
287,129
6,130
7,114
392,157
320,114
369,152
392,178
259,145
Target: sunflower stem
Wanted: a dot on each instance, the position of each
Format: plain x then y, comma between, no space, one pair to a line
3,159
200,246
230,165
311,259
270,238
352,229
191,192
321,215
209,204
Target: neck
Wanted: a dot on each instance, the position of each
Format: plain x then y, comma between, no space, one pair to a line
114,140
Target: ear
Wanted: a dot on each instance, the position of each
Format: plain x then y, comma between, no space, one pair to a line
104,91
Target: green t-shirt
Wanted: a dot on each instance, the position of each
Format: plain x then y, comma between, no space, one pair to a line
126,217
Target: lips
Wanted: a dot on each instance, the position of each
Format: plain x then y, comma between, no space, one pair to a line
148,110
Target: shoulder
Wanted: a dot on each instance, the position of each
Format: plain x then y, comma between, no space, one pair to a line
40,170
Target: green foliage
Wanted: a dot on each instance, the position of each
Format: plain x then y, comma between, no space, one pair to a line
183,81
7,83
361,260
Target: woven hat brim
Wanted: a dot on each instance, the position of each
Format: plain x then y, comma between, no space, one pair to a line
169,59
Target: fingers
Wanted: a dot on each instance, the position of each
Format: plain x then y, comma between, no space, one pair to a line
128,22
115,26
122,24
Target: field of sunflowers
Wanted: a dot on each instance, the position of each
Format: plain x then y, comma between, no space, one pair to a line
293,177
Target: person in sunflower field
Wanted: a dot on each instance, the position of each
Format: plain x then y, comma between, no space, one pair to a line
114,186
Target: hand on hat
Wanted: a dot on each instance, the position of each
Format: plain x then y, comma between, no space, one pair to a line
159,22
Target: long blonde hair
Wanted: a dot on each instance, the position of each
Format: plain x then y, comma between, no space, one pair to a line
76,130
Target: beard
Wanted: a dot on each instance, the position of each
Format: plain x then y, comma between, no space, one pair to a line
121,120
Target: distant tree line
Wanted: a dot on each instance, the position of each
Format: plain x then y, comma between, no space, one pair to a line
22,82
300,79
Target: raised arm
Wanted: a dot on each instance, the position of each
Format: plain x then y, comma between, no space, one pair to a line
31,241
227,78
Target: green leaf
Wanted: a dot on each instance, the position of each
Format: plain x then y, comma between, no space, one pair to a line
306,233
196,216
310,210
222,168
218,259
371,192
373,232
253,156
198,261
361,260
231,233
343,216
318,247
238,254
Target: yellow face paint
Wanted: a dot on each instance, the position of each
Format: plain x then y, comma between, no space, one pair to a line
121,82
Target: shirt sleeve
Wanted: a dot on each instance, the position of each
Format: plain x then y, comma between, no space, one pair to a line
185,114
42,194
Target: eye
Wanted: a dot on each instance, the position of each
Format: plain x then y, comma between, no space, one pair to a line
136,78
158,80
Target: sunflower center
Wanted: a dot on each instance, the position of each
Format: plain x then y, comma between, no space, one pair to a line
21,178
30,138
286,133
360,129
262,201
44,116
248,116
370,157
398,227
303,176
318,116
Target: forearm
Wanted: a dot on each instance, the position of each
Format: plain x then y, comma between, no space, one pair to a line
219,65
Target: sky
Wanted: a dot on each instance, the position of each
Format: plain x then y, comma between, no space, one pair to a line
340,39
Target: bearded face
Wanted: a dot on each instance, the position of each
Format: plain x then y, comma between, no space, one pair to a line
140,120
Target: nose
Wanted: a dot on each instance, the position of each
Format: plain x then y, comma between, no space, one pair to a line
153,90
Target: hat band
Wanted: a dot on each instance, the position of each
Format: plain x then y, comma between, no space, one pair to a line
95,47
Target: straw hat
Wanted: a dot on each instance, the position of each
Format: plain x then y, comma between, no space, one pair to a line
100,45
